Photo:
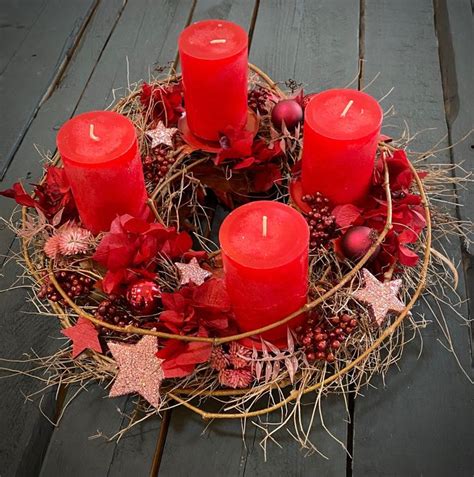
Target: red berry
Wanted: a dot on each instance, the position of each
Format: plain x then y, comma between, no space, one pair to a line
330,358
321,345
335,344
311,357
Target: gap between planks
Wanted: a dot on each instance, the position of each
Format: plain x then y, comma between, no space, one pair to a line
451,109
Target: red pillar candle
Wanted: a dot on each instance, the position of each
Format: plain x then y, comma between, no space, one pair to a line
214,62
264,248
341,132
102,161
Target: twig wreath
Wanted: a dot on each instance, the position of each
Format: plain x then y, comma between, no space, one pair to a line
145,304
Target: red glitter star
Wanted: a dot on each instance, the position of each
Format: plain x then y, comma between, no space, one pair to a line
139,369
192,273
84,336
381,297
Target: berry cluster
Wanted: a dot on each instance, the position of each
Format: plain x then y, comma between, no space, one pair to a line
112,310
321,339
322,224
156,165
74,284
258,100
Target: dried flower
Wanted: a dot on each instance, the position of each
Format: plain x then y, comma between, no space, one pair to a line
235,378
74,240
51,247
219,359
239,356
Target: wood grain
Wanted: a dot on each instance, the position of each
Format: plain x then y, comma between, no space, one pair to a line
34,67
419,420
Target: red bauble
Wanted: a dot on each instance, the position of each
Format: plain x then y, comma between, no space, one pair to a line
356,242
289,111
144,297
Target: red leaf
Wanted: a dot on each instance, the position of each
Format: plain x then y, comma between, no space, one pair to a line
347,215
180,358
265,177
236,144
407,257
212,296
18,193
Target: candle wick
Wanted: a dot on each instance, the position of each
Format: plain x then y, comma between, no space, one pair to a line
348,106
220,40
264,225
91,133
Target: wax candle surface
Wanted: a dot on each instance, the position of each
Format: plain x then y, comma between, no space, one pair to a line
266,267
100,154
214,62
341,132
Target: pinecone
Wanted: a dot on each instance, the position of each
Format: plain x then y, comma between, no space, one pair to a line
258,99
322,224
321,338
74,284
157,164
112,310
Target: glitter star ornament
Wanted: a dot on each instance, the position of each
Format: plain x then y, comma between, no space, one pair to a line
139,370
192,273
161,135
381,297
83,335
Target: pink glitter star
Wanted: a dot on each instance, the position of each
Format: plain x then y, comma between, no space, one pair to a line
161,135
381,297
139,369
192,273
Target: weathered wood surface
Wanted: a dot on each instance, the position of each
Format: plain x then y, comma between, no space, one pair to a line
33,61
421,423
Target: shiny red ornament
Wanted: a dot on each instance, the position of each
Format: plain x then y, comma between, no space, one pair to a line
288,111
144,297
356,242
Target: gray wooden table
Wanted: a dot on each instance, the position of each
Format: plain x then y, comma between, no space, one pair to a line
59,58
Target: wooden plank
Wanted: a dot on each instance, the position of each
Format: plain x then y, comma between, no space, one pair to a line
146,35
312,42
22,450
16,21
34,68
73,450
188,437
455,35
316,43
145,32
421,422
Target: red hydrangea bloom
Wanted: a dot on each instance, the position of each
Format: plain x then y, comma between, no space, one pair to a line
131,247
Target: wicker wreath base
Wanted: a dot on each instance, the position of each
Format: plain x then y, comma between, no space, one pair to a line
186,159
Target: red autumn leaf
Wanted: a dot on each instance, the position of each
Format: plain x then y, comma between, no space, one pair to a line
408,236
177,245
212,296
18,193
265,177
407,256
236,144
51,196
180,357
245,163
165,102
347,215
